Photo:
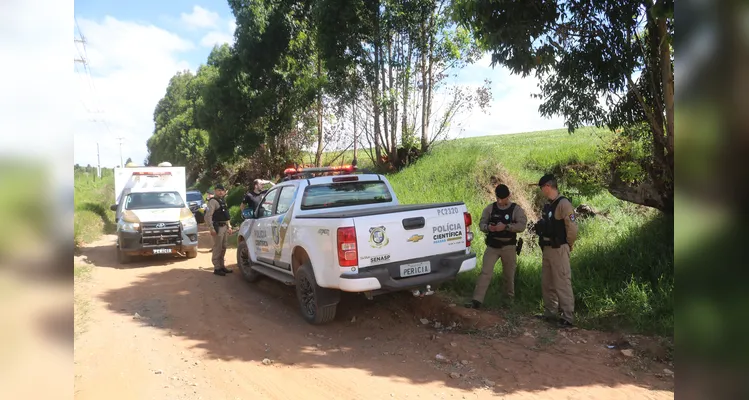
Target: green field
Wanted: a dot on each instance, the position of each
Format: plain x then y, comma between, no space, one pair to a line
622,264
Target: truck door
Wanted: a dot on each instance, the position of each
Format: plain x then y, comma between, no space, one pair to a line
261,233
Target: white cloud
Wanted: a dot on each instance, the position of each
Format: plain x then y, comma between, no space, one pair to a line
131,65
200,18
220,36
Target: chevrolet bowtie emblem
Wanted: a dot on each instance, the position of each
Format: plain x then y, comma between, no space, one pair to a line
415,238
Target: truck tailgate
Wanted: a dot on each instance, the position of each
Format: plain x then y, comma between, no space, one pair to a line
410,234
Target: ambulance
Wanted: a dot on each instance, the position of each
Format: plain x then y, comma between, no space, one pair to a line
151,213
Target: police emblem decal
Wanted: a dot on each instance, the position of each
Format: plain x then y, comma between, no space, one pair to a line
377,237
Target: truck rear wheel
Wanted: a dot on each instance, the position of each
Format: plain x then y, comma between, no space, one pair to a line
317,304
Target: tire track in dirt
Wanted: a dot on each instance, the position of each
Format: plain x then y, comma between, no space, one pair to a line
208,337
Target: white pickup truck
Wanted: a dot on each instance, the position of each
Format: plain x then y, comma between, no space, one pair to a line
348,233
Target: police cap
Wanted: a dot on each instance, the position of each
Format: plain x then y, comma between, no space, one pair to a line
219,187
502,191
545,179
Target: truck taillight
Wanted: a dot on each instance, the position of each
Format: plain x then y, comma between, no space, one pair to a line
468,221
348,255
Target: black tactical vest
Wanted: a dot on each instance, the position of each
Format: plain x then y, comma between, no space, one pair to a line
221,214
555,233
503,238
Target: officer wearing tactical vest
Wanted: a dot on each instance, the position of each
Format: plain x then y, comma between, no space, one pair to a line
501,221
557,232
217,219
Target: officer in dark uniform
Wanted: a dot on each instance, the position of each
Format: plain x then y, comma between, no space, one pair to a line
255,196
557,233
218,220
501,221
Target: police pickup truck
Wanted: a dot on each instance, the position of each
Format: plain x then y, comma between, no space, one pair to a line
347,232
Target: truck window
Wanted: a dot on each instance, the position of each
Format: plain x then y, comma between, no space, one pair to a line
345,194
285,199
140,201
266,207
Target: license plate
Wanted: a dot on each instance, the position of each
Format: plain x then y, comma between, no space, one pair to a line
419,268
162,251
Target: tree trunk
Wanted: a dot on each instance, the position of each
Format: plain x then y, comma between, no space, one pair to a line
318,155
393,110
406,85
356,137
375,92
430,75
667,77
424,83
385,125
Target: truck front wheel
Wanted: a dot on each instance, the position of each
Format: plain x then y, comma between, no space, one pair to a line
317,304
122,257
245,263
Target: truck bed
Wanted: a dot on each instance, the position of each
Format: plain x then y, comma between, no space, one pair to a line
377,210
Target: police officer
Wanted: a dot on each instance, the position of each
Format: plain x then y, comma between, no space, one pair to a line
253,197
557,231
218,220
501,221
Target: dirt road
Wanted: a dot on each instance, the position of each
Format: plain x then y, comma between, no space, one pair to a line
201,336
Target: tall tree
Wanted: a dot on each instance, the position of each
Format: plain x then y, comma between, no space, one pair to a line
604,62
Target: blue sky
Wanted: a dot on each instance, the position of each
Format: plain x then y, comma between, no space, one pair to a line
133,48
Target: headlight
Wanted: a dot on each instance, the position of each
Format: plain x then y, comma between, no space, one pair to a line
129,226
189,222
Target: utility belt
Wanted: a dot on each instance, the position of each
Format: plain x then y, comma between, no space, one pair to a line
217,224
498,244
548,242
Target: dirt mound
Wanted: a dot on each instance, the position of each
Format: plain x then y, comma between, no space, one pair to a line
520,193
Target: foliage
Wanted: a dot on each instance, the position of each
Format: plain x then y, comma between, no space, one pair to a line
587,55
93,196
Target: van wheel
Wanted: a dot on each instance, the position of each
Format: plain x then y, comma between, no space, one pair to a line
122,258
245,264
318,305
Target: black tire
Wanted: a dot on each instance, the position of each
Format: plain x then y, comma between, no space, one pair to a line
191,253
244,263
123,258
317,305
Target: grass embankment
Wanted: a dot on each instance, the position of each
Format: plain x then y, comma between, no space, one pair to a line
622,264
93,196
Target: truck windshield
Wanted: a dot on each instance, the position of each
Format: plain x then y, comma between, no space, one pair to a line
194,196
141,201
345,194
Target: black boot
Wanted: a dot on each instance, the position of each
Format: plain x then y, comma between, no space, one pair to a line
473,304
219,272
226,270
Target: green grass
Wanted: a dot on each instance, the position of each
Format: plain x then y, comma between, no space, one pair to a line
622,264
93,196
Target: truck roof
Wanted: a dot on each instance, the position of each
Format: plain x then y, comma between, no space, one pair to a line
321,180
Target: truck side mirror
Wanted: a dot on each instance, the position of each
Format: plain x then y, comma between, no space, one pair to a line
248,214
113,207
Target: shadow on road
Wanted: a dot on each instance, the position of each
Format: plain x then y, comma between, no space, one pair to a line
228,319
